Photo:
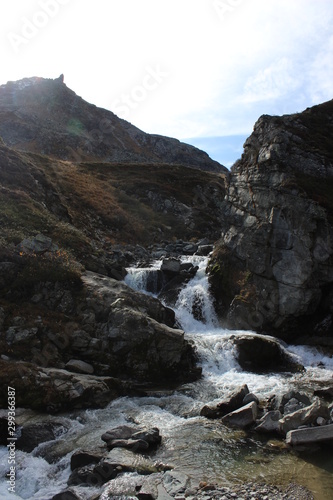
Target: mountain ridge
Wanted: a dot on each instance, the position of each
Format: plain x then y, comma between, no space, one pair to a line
45,116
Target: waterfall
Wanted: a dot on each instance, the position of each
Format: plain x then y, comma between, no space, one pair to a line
201,448
194,307
145,279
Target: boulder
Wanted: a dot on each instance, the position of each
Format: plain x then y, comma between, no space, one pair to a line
81,458
53,390
37,245
243,417
170,266
259,353
33,435
310,435
231,403
132,438
269,422
129,461
304,416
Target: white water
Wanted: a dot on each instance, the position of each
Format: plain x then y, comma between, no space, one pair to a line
202,448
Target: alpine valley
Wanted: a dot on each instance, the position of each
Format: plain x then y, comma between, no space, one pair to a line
166,325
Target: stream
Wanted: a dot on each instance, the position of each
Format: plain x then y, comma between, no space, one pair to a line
203,449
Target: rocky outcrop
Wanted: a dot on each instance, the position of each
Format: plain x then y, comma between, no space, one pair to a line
110,338
272,270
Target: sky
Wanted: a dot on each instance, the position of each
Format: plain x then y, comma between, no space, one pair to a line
202,71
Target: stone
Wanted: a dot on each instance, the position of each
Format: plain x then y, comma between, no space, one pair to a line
66,495
132,438
81,458
259,353
129,461
78,366
170,266
231,403
38,245
243,417
310,435
305,416
33,435
269,422
249,398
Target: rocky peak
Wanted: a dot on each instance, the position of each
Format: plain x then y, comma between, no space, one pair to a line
45,116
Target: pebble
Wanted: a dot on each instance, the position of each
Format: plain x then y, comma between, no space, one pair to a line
249,491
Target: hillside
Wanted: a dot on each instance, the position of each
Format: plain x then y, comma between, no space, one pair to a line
44,116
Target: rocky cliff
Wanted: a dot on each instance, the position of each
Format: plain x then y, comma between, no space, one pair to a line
272,269
45,116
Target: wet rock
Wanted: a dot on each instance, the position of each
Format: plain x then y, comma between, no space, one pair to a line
204,250
249,398
310,435
243,417
170,266
304,416
325,392
128,461
269,422
259,353
132,438
231,403
81,458
66,495
33,435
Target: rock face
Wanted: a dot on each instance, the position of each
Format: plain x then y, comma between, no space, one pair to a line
44,116
273,267
112,339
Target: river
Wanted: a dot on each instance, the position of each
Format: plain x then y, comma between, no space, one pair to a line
204,449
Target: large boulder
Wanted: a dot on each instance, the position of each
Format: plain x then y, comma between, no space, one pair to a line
259,353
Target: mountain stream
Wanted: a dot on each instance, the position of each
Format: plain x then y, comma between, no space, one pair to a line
203,449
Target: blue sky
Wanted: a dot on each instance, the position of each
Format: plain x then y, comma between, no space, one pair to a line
198,70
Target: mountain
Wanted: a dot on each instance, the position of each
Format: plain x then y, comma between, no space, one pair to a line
44,116
84,195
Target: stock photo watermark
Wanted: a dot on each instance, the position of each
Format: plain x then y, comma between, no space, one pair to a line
11,446
32,25
225,7
122,107
153,78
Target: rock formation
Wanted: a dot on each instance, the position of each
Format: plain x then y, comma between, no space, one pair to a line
273,267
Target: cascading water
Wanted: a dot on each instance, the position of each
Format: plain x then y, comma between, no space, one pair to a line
203,449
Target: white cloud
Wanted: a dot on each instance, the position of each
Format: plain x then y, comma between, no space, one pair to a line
273,82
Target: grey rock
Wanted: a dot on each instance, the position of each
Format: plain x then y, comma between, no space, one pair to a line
78,366
229,404
269,422
243,417
304,416
310,435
